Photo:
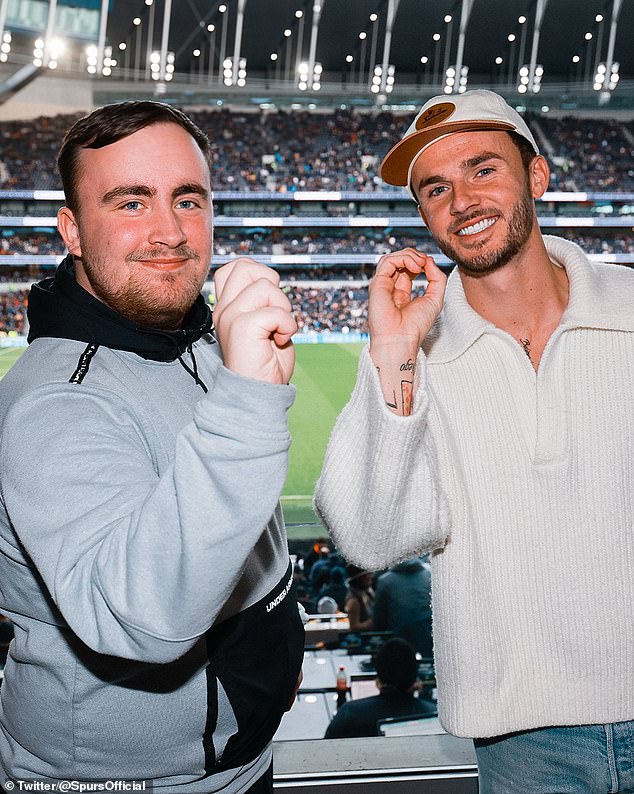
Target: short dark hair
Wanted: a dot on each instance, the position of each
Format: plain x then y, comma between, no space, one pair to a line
396,664
111,123
527,153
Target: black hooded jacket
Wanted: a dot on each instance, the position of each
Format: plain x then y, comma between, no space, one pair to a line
59,307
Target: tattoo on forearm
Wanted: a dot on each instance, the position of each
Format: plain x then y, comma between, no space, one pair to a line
407,389
389,404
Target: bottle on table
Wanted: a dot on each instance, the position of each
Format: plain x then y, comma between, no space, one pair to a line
342,686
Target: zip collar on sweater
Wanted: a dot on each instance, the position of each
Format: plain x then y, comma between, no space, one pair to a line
59,307
596,301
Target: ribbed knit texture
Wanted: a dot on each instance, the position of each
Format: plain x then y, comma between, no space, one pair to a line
524,484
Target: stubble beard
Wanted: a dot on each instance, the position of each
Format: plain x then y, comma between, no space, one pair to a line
152,299
520,223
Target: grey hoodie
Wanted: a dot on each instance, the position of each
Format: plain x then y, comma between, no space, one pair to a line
143,558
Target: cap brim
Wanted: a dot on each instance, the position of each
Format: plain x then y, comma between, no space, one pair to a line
396,163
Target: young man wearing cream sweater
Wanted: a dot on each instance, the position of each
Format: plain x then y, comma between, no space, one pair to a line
491,424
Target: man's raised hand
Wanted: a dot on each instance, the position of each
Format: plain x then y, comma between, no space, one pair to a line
392,312
399,323
253,321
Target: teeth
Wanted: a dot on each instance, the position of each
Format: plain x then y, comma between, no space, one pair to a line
477,227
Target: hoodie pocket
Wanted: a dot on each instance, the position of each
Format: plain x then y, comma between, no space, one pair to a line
255,658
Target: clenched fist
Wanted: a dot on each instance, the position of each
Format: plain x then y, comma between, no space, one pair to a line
253,321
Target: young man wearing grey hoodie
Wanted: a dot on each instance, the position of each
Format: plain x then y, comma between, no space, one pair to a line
143,557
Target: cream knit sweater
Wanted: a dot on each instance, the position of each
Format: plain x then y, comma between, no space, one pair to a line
522,484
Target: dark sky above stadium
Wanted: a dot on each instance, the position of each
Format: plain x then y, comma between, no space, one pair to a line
563,32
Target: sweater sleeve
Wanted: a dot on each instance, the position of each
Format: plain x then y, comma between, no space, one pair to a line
379,493
140,565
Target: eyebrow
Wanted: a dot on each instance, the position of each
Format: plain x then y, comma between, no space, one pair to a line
148,192
127,190
472,162
190,187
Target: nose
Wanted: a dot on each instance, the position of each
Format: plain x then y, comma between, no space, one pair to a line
464,196
166,228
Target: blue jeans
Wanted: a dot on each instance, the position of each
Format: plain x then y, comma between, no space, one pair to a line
585,759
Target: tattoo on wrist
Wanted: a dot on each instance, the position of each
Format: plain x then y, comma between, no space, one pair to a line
407,386
393,405
407,390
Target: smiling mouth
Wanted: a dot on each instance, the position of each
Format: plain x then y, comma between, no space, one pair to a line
476,228
164,264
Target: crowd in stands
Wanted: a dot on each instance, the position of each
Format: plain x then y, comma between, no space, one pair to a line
329,273
13,312
298,150
39,243
589,154
397,600
326,309
375,244
600,244
285,151
280,151
320,577
22,275
317,242
28,150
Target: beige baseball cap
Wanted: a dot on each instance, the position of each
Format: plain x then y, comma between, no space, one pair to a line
444,115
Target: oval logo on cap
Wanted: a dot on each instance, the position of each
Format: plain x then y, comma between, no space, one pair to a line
435,115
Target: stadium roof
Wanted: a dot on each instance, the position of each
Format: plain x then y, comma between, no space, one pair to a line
574,37
562,36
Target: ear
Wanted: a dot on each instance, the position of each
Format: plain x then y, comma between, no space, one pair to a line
69,229
539,176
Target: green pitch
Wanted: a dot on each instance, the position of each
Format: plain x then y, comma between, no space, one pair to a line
324,377
8,357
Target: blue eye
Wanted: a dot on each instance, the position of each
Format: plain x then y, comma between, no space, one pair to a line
436,191
132,205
